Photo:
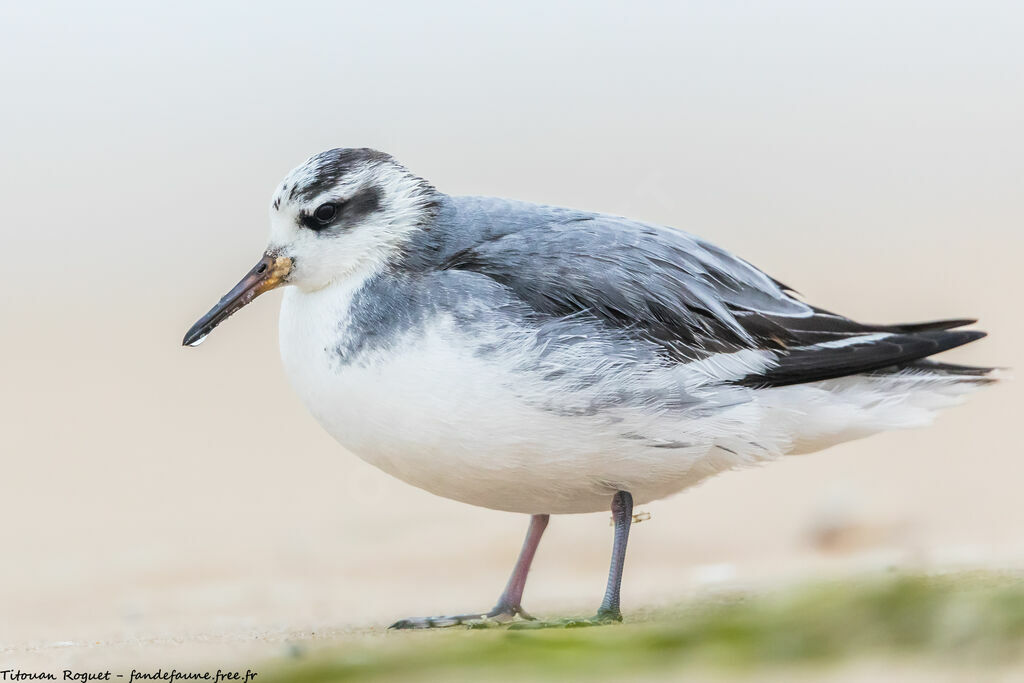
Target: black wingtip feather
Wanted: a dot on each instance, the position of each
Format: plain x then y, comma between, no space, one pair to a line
820,362
935,325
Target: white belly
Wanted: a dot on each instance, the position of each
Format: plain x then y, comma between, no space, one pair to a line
463,425
437,416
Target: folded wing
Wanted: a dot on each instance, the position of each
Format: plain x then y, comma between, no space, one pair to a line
692,299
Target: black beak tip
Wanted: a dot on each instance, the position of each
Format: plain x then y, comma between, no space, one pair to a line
195,336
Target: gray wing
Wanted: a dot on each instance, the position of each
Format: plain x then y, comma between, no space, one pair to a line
671,287
689,297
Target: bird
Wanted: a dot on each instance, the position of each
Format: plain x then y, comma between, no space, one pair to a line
544,360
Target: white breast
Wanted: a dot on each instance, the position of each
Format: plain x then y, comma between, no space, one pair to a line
436,415
434,412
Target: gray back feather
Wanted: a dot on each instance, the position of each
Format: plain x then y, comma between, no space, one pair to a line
666,285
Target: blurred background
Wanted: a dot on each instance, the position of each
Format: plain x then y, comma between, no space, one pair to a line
166,502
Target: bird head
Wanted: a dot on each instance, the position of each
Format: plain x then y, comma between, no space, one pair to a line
341,213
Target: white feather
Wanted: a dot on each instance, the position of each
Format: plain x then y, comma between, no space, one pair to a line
436,414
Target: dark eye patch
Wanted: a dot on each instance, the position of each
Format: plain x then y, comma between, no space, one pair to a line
362,203
342,213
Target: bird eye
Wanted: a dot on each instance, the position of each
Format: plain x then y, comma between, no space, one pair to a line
325,213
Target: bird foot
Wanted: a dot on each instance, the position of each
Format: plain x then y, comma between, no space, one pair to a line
499,616
602,618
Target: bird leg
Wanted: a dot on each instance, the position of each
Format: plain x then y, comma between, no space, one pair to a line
508,606
622,513
608,612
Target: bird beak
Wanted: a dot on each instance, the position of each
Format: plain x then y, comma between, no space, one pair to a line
269,273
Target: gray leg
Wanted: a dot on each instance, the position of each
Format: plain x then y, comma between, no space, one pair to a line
508,606
622,513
